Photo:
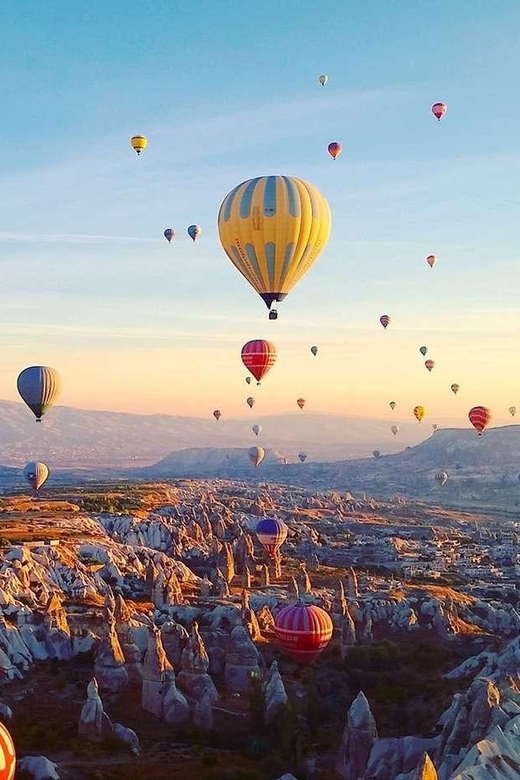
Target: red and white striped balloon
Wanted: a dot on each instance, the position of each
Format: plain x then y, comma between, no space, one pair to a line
438,110
304,630
7,755
258,356
480,417
385,321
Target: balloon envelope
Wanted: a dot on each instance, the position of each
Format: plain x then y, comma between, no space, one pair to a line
256,429
302,456
423,350
455,388
431,260
250,401
442,477
479,417
39,387
512,411
334,149
323,79
438,110
419,412
194,232
169,233
301,402
273,229
395,429
429,364
7,755
36,474
304,630
385,321
376,454
314,351
138,143
217,414
259,357
271,533
256,455
392,405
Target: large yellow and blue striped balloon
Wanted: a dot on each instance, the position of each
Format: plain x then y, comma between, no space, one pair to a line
39,387
273,229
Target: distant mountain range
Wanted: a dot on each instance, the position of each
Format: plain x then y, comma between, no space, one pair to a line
78,438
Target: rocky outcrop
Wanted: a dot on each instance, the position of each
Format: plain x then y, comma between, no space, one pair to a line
109,666
203,712
39,767
359,737
425,769
242,659
275,693
90,724
194,678
159,694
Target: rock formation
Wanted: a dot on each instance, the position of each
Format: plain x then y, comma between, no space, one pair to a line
109,666
275,693
359,737
194,678
90,724
203,712
159,693
242,658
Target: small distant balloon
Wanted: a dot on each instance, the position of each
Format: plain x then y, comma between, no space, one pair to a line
256,429
395,429
250,401
36,475
480,417
323,79
302,456
434,426
512,411
442,477
334,149
301,402
248,380
430,364
438,110
256,455
392,405
423,350
217,414
419,412
431,260
455,388
314,351
194,231
139,143
376,454
385,321
169,234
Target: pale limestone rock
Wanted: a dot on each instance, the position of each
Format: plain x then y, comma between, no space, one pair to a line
194,677
90,724
174,639
352,584
242,659
128,736
109,666
248,617
275,693
265,580
39,767
359,737
203,712
159,693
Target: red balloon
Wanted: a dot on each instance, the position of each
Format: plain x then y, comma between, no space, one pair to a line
431,260
258,356
439,109
7,755
301,402
304,630
385,321
429,364
334,149
480,417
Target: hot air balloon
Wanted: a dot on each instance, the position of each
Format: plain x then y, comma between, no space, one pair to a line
385,321
334,149
423,350
392,405
304,630
323,79
441,477
455,388
395,429
301,402
250,402
438,110
39,387
431,260
302,456
419,412
512,411
256,455
169,233
217,414
314,351
258,356
256,429
138,143
36,474
248,380
7,755
271,533
273,229
376,454
429,364
479,417
434,426
194,232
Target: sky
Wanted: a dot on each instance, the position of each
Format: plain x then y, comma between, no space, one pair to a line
225,91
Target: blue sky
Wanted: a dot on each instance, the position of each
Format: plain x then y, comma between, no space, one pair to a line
225,91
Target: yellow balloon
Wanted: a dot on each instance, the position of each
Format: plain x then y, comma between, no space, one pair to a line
139,142
419,412
273,229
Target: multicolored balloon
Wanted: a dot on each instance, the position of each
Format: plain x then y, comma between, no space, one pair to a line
39,387
455,388
194,231
334,149
250,401
36,474
304,630
323,79
169,233
512,411
314,351
423,350
139,143
271,532
385,321
480,417
273,230
430,364
302,456
438,110
419,412
217,414
258,356
301,402
256,455
431,260
7,755
256,429
392,405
